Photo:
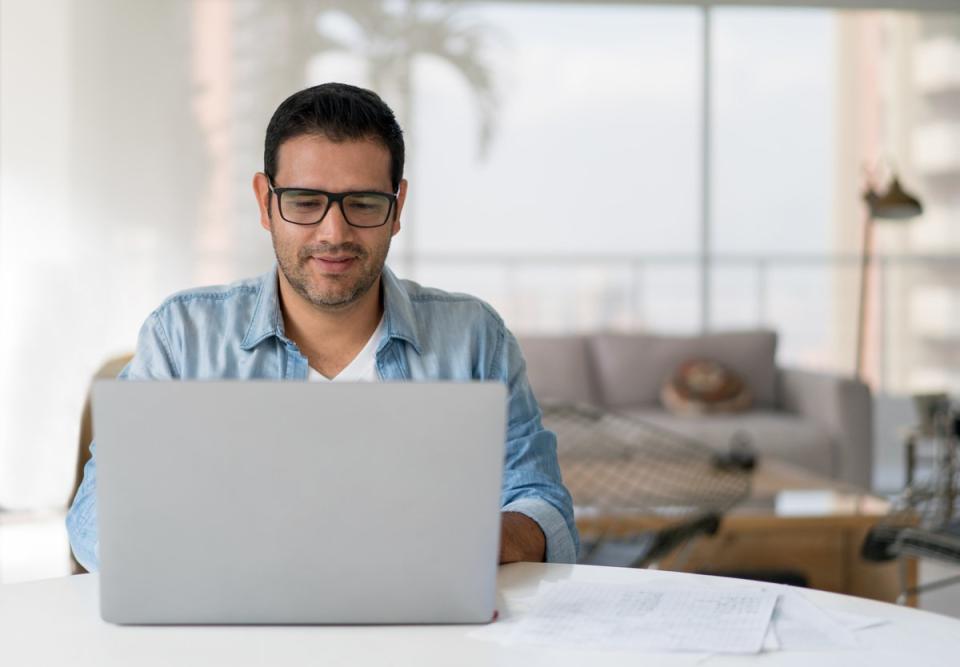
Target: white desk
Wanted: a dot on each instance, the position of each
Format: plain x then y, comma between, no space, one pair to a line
56,622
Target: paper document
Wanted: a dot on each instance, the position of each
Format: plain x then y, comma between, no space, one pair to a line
853,621
614,616
801,625
663,617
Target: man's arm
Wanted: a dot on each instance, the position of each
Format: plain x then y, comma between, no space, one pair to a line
521,539
532,487
151,361
82,518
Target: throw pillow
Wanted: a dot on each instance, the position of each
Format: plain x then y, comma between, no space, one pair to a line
704,386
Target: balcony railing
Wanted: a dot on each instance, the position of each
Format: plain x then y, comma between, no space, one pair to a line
810,299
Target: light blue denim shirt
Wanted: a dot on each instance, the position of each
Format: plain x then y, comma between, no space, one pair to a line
236,332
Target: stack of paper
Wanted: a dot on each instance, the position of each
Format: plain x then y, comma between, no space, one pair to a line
800,625
663,617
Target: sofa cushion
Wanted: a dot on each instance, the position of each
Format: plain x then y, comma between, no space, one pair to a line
779,435
631,368
558,368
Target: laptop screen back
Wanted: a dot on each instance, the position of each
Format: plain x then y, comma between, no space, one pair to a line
283,502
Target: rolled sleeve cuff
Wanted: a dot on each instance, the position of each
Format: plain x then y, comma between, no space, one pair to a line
560,546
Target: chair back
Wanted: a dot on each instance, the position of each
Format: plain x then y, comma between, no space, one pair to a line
110,369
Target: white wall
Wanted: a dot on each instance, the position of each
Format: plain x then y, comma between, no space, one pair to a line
36,237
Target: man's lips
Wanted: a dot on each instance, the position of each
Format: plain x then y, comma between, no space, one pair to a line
334,264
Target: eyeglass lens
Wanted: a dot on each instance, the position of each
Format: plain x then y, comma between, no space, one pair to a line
360,209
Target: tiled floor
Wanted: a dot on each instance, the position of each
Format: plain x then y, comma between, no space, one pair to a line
34,546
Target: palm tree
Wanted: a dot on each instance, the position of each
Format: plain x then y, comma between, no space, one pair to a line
387,37
390,41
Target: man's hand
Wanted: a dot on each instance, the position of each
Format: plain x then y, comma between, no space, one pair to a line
521,539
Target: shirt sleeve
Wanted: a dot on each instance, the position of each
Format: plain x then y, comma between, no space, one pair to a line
82,518
151,361
532,483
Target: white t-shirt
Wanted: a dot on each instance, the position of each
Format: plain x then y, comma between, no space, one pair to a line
363,368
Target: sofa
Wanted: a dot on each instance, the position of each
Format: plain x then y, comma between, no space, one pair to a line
818,421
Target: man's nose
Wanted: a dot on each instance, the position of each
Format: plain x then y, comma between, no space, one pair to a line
334,228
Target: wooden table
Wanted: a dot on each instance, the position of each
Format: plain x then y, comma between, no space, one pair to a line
823,546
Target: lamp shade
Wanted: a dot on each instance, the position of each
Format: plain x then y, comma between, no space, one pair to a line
895,204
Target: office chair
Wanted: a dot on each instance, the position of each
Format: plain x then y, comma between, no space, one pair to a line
925,521
646,491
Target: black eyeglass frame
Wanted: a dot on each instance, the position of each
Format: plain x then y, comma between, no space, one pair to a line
333,197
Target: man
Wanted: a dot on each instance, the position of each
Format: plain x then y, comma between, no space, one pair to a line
331,194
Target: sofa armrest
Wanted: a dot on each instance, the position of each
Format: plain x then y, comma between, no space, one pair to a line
843,408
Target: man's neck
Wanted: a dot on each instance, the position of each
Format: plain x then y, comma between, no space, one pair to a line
330,339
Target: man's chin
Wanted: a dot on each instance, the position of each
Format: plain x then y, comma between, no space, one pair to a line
336,291
341,294
334,300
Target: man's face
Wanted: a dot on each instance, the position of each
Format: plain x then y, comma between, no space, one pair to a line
332,265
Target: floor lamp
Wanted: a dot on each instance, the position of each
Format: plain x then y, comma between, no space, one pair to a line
895,204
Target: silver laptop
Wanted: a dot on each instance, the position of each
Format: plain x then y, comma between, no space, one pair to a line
294,502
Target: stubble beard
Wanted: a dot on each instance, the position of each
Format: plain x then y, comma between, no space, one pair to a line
348,290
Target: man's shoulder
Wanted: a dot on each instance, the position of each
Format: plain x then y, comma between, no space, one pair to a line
227,309
431,302
236,294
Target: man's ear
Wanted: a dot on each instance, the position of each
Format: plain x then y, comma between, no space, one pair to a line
261,189
401,198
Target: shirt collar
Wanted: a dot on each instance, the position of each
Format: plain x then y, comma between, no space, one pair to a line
267,321
398,310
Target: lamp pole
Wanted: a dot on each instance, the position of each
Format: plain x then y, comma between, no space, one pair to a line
866,257
895,204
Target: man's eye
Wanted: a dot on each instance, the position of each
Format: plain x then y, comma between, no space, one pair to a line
366,203
307,203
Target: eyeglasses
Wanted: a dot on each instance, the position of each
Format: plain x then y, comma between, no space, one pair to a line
309,207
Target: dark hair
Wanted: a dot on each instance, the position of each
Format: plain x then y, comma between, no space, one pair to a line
339,112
